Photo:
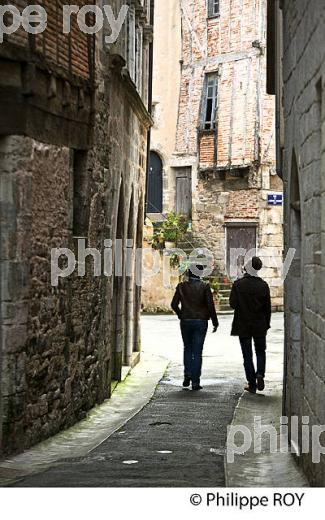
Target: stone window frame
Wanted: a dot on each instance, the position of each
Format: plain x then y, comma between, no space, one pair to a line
139,58
213,8
135,49
210,124
131,43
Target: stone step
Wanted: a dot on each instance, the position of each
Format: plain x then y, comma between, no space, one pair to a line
225,294
224,307
225,287
187,247
223,301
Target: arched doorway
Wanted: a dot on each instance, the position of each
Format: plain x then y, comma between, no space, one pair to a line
138,277
129,302
118,291
294,301
155,184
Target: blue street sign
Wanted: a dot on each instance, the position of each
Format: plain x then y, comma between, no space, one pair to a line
275,199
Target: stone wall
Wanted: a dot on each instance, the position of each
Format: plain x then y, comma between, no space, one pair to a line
128,131
62,346
224,201
159,279
304,171
55,352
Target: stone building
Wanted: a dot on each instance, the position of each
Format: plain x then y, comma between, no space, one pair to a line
166,88
296,73
73,158
213,140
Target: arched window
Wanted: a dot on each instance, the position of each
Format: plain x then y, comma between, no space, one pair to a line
155,184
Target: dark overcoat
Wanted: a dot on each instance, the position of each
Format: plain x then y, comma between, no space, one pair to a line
251,300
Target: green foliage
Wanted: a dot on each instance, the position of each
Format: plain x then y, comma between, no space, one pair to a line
174,227
215,285
158,241
174,261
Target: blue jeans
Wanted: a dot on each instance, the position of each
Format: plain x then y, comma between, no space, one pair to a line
260,349
194,333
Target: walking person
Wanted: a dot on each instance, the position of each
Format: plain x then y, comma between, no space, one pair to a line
250,298
194,306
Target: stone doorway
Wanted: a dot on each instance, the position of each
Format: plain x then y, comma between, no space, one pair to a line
118,292
241,237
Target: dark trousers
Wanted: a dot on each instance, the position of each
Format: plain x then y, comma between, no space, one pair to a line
260,349
194,333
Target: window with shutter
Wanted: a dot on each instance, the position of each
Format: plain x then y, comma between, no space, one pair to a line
213,8
210,103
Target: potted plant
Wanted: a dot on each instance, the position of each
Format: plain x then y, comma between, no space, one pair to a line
173,228
170,242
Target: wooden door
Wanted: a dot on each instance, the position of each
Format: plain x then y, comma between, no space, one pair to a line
184,191
239,237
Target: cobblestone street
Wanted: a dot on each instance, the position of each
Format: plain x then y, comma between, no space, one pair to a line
179,437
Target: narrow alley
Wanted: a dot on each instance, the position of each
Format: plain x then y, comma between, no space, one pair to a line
152,448
146,145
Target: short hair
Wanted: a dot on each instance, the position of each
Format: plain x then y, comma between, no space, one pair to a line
196,271
256,263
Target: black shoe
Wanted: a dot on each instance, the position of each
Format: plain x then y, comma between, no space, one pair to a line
196,388
250,389
260,383
187,382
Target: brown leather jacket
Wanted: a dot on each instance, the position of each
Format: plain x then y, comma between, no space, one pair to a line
195,298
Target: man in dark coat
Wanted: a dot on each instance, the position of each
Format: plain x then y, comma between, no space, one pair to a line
250,298
194,306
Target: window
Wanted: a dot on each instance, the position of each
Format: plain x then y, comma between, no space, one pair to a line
213,8
210,102
135,50
139,59
131,61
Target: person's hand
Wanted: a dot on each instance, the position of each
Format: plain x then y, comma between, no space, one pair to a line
214,330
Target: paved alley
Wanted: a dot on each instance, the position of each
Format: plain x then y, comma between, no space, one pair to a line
179,437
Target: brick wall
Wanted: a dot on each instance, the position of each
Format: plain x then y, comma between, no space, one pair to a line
246,113
69,51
